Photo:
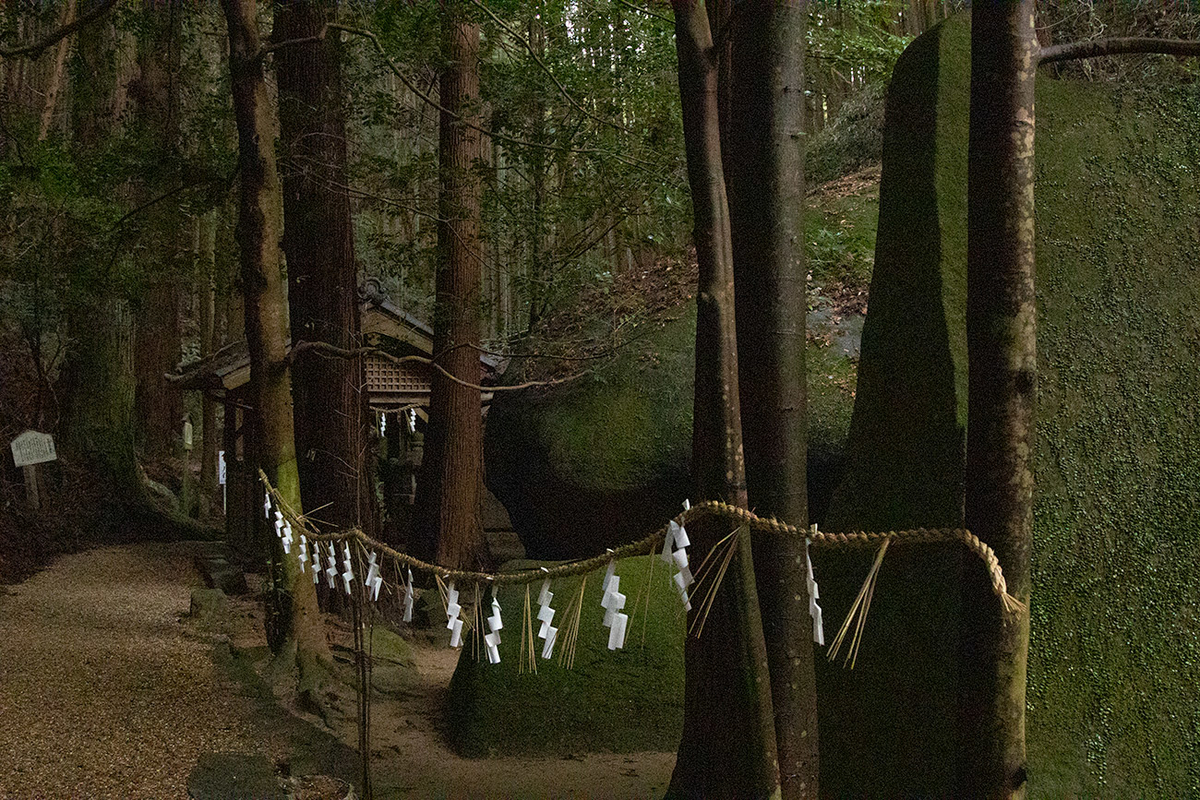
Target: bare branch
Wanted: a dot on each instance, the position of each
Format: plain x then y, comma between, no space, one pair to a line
333,351
426,98
542,65
1119,45
35,49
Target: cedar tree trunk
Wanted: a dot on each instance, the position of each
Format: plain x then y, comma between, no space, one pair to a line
155,92
765,173
1002,365
332,434
452,480
728,744
260,221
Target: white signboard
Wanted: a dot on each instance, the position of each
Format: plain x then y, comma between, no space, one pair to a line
32,447
221,467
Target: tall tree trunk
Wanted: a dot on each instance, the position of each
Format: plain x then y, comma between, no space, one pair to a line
1002,365
765,175
260,220
206,268
452,479
54,89
97,381
159,339
333,436
728,744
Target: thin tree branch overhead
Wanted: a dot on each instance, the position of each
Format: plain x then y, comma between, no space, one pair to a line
35,49
1121,45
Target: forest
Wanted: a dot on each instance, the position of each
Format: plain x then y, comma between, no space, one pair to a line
599,398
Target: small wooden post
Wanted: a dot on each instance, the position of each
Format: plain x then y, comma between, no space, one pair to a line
31,485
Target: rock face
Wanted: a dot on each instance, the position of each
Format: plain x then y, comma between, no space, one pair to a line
604,460
601,460
1115,652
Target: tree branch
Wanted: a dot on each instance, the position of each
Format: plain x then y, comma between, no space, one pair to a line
542,65
35,49
333,351
1119,45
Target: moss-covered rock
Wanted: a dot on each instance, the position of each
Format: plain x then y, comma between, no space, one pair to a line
601,460
1115,651
604,460
616,701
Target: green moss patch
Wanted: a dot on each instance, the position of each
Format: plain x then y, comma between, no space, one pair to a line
1115,650
616,701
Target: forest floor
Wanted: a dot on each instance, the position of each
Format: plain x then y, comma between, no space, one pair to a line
108,689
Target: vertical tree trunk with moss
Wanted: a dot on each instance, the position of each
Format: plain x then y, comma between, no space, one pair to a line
764,168
97,382
332,417
728,744
155,92
452,473
1002,392
260,221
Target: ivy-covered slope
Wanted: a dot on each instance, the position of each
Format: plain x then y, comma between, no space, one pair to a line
1115,653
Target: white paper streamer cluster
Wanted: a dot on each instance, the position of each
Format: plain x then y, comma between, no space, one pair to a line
675,550
374,581
408,597
546,616
613,601
814,593
453,621
492,640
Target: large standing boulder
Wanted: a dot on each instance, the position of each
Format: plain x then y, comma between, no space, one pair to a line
1115,649
604,460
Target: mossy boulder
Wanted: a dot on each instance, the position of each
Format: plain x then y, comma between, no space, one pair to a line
1115,645
603,460
608,701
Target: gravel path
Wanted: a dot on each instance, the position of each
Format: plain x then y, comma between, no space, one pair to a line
102,692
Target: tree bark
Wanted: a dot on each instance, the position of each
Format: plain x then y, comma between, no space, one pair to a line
56,76
452,479
728,745
333,436
97,381
1001,397
765,174
155,91
206,258
259,230
1119,45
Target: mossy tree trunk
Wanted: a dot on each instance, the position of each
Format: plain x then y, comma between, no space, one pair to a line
158,337
1002,393
333,436
451,486
764,167
728,745
301,638
97,383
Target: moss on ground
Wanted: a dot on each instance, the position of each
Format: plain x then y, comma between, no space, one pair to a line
839,232
1115,653
615,701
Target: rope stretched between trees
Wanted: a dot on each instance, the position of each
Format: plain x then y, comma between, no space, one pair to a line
650,543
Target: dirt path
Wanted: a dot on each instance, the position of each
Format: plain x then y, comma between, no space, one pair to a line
106,692
101,692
